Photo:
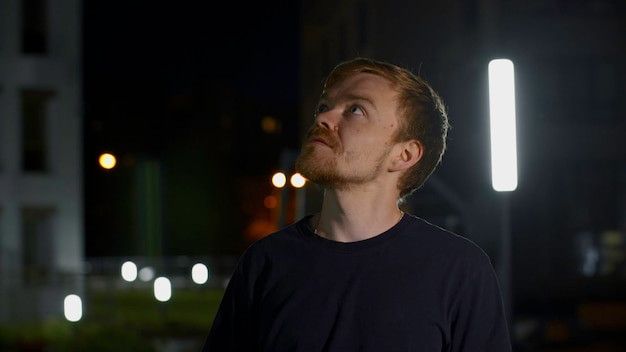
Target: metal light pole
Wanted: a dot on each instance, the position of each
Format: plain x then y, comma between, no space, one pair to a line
297,181
503,159
279,180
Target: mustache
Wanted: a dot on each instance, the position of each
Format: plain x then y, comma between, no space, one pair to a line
321,134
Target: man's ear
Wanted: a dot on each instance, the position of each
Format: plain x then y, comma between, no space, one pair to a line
408,154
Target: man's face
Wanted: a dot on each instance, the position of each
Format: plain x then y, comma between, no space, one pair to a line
350,141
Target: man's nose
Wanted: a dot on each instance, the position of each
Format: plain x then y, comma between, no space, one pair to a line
328,119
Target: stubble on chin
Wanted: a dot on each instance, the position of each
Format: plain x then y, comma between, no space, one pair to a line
315,168
323,169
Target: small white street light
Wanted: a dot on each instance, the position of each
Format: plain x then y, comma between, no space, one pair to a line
73,308
200,273
129,271
162,289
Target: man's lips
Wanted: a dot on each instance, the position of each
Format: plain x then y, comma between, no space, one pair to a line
322,137
318,140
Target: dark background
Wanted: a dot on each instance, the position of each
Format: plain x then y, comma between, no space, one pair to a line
200,102
185,87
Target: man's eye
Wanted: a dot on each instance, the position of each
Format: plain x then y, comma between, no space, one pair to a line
357,110
321,108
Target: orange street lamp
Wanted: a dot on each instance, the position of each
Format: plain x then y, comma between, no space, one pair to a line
107,161
297,180
279,180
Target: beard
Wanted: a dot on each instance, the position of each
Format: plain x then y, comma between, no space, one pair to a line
331,168
317,168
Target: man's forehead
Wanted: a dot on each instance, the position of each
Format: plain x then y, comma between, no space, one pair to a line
360,85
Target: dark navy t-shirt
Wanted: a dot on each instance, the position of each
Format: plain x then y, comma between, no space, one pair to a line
415,287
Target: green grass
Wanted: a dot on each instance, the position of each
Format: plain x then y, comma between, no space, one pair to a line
119,321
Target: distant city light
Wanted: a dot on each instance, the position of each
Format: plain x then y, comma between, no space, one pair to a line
297,180
199,273
502,119
279,180
73,308
146,274
270,124
129,271
270,202
162,289
107,161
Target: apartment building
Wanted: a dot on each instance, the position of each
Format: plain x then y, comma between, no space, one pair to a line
41,205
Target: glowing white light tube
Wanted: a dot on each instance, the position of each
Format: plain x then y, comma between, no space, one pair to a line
502,128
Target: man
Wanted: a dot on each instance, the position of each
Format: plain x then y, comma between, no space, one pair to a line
361,275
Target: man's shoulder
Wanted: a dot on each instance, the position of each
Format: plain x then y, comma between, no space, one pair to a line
282,238
279,246
444,240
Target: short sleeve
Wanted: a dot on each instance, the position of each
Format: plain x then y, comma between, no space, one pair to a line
478,319
233,325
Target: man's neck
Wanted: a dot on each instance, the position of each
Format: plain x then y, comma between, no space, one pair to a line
349,216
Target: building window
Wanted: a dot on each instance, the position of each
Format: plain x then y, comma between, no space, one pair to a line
34,144
37,244
34,26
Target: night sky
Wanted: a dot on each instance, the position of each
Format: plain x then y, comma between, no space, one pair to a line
188,43
184,85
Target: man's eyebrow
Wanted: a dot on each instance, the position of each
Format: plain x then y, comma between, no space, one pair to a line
351,96
365,98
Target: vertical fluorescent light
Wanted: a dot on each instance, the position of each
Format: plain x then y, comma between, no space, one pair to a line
502,119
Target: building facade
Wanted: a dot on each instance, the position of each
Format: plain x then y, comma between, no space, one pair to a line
41,203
